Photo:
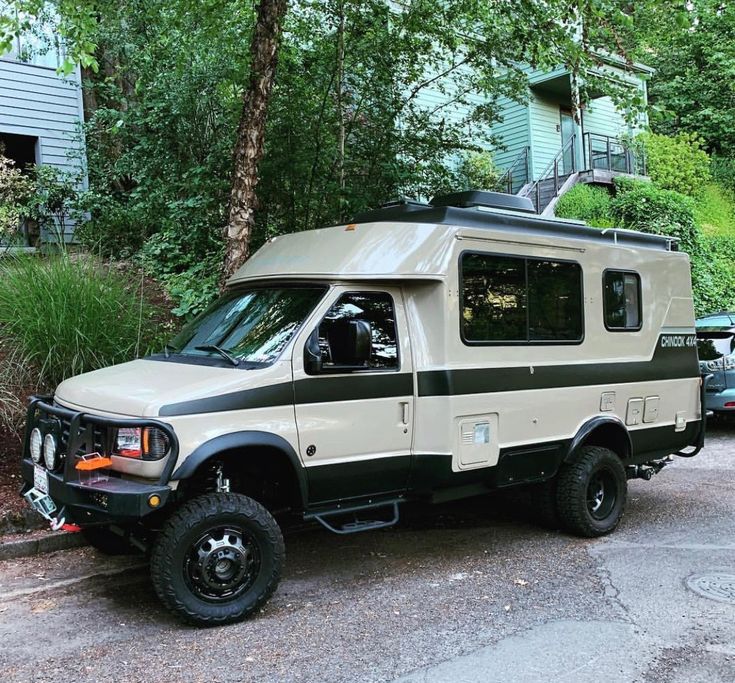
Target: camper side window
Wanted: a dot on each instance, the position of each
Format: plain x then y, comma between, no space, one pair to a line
511,299
622,300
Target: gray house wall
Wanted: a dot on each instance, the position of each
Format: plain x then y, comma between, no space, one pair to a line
38,103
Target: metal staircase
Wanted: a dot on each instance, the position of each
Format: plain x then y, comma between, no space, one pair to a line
603,158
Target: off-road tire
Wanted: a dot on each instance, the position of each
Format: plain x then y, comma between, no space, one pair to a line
108,542
575,501
178,537
544,502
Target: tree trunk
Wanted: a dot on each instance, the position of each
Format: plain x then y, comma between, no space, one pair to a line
251,133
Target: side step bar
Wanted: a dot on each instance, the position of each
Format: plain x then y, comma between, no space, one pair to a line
356,525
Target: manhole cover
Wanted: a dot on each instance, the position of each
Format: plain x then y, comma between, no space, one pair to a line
714,585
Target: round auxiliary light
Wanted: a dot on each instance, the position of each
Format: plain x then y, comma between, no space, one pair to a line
49,451
36,445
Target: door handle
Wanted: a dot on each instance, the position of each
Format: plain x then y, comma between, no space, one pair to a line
405,413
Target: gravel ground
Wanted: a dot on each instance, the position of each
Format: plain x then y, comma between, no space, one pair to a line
464,592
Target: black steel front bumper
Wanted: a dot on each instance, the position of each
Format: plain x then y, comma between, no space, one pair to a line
104,501
95,499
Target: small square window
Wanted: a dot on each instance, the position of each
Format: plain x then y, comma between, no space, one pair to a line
622,300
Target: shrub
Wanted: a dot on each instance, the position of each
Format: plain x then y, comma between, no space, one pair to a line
723,171
586,203
643,206
676,163
188,265
477,171
69,316
16,190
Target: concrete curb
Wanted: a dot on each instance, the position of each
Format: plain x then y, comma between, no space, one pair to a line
50,542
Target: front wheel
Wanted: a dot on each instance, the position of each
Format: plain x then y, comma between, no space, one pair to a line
217,559
591,492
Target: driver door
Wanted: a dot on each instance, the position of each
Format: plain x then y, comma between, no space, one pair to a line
355,420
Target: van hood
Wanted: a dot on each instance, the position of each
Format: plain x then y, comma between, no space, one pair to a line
141,388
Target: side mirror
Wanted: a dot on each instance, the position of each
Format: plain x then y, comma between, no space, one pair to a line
313,354
362,339
350,346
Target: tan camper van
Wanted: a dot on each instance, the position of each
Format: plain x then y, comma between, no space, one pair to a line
422,352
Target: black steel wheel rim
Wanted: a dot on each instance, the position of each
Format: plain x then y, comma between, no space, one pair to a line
602,494
222,564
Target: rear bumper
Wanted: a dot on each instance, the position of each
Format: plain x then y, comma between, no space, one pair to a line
716,400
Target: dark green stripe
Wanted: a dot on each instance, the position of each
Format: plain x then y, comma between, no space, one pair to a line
313,390
667,363
354,388
261,397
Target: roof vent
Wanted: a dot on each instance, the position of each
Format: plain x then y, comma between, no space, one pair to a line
491,200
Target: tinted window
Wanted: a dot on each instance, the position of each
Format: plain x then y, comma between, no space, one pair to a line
493,298
554,300
622,300
377,309
506,298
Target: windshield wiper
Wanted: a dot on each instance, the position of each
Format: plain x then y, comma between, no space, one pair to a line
218,349
167,348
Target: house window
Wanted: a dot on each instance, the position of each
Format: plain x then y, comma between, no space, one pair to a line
622,300
39,45
20,149
510,299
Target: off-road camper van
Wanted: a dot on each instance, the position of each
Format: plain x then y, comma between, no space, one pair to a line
423,351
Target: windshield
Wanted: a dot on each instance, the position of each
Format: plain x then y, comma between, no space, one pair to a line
250,325
715,345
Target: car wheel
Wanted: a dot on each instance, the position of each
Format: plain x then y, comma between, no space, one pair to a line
591,492
217,559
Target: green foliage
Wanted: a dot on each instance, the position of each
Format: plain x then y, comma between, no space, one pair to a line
16,193
723,172
714,210
587,203
645,207
67,316
45,197
715,275
676,162
187,264
477,171
692,89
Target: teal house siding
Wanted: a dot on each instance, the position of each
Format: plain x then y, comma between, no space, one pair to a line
512,132
536,123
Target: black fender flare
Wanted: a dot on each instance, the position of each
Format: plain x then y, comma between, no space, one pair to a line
590,426
246,439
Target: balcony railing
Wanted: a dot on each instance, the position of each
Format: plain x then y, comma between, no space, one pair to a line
606,153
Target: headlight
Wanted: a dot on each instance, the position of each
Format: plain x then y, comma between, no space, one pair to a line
147,443
49,451
35,445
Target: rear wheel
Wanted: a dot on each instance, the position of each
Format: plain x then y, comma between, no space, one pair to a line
591,492
218,559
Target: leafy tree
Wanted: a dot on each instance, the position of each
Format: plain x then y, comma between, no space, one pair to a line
693,89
